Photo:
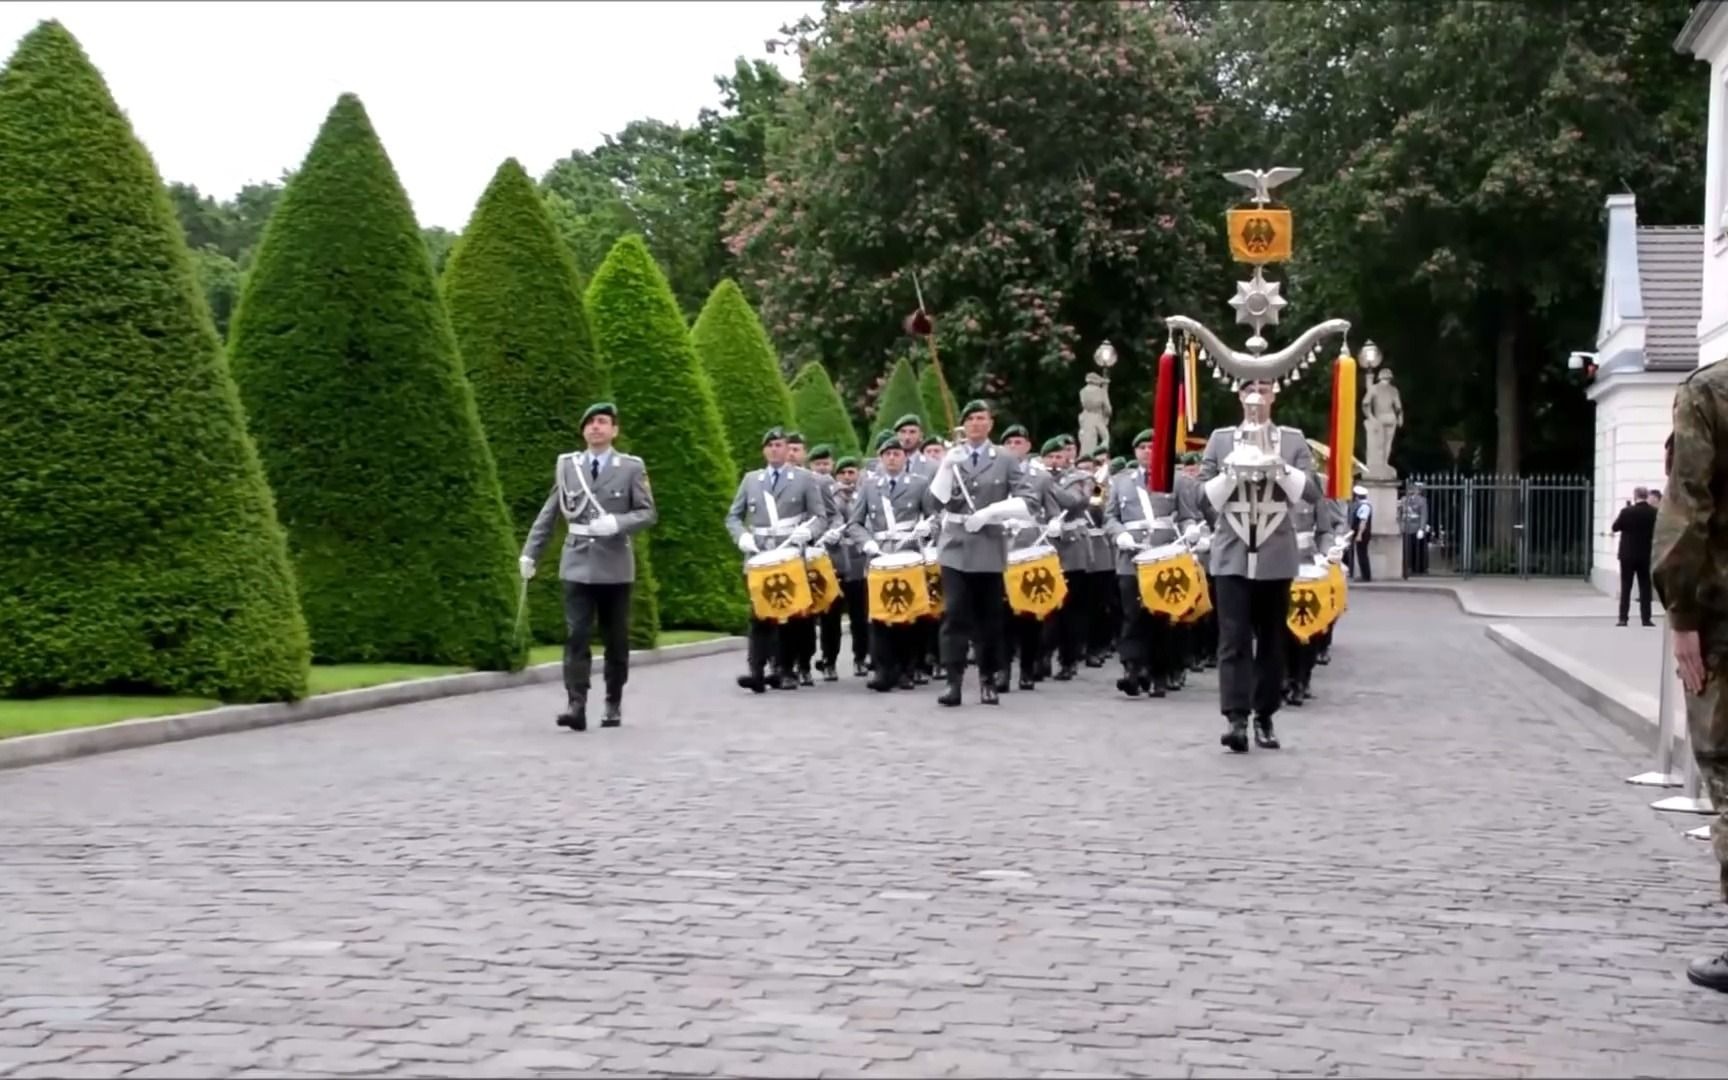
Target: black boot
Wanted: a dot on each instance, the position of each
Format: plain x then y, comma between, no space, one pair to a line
1000,681
1236,739
753,682
859,669
1158,685
1028,677
1710,972
804,678
989,685
1066,673
1292,694
1133,678
1094,661
951,696
575,714
830,671
614,712
1264,737
882,682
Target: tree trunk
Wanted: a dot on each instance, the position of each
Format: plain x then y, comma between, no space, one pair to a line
1507,512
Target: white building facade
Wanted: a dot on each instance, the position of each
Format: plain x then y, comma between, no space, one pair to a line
1705,36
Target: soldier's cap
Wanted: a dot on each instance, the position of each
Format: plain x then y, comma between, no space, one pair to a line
796,438
932,440
773,434
885,433
1056,442
599,408
1016,431
845,463
976,405
909,420
1192,457
889,441
820,451
1142,439
1117,464
1358,490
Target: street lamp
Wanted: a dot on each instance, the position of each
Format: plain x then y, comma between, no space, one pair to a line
1370,358
1105,357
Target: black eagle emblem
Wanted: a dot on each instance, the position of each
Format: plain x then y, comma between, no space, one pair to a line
1171,584
934,580
1038,585
1304,606
778,590
896,596
1258,235
818,586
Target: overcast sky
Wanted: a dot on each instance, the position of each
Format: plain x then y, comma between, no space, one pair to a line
227,93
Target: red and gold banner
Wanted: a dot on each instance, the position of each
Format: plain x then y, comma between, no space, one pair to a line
1341,433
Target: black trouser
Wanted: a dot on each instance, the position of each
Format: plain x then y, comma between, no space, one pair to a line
1106,619
1364,569
1639,571
1074,619
1024,639
1145,637
857,619
774,643
1251,633
1301,658
896,651
830,623
972,615
582,604
1415,555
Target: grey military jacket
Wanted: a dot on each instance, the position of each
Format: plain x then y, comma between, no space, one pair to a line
620,490
997,476
1413,514
1273,531
1125,512
849,562
770,511
1313,525
905,495
1071,493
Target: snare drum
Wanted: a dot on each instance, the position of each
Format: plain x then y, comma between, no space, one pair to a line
933,579
1340,587
899,589
1170,579
824,582
778,584
1035,582
1311,606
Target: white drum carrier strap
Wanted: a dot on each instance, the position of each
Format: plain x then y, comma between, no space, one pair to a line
776,527
588,501
1149,521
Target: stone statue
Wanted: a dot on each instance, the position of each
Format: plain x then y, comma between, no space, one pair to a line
1382,416
1094,414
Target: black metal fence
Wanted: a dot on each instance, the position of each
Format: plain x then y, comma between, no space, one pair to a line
1521,526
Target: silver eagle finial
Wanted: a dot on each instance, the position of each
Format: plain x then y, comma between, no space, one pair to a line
1262,181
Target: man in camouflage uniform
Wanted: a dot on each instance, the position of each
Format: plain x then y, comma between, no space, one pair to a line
1691,576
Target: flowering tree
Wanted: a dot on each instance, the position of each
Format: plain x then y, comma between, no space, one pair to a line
1031,162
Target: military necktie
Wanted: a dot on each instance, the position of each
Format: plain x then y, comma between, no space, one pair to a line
892,484
775,482
594,468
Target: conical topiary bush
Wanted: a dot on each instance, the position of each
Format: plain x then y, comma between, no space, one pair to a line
819,412
670,418
516,307
139,546
899,397
368,429
741,366
940,409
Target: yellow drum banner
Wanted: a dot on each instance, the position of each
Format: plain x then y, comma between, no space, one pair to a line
778,590
1259,236
898,594
824,583
1171,586
1311,610
1340,588
1036,587
1202,603
933,578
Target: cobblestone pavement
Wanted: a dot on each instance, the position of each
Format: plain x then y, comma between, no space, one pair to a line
1442,874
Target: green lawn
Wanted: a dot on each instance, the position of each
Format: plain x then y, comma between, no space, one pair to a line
34,716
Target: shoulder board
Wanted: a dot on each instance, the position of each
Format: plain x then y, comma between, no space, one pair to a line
629,457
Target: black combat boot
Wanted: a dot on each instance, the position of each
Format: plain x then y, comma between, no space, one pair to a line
1293,694
1066,673
1236,739
1132,680
951,696
754,681
1000,680
830,671
989,685
1710,972
1264,737
860,669
614,711
1028,676
804,678
575,714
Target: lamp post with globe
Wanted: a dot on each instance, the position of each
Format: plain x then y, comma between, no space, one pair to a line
1095,402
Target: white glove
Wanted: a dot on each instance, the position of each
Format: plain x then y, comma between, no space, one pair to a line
830,538
747,543
956,456
871,549
921,531
604,525
526,566
800,535
1319,559
974,522
1218,489
1054,529
1125,541
1293,480
1191,534
1334,557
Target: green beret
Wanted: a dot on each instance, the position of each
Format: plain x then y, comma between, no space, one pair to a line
1192,457
1016,431
933,440
773,434
1117,464
909,420
1142,439
599,408
845,463
880,435
795,437
817,453
1055,443
976,405
887,441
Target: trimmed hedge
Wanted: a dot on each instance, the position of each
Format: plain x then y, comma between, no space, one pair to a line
939,403
645,596
142,551
516,306
367,427
819,412
668,413
741,366
899,396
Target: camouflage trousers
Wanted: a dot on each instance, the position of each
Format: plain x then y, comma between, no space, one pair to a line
1707,730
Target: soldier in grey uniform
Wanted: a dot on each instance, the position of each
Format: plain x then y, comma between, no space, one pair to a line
1066,532
807,631
1254,558
1104,618
888,515
777,505
853,567
1192,499
1413,522
604,498
873,463
970,491
1338,511
1025,636
910,431
1314,528
1137,519
932,451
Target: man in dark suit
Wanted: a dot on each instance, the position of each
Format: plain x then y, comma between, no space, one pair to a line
1636,525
